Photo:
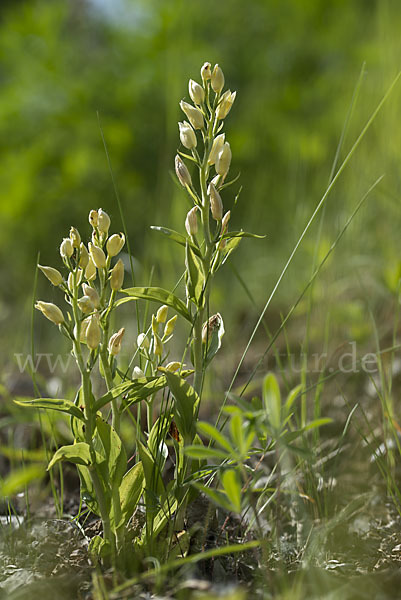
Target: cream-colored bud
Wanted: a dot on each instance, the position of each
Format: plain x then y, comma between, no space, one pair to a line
223,160
217,79
194,115
155,325
206,71
210,326
114,345
196,92
90,270
75,237
169,328
54,276
137,373
93,333
225,104
191,221
161,314
77,276
217,145
51,312
97,255
83,256
86,305
84,327
157,345
115,244
187,135
117,276
225,220
216,203
173,366
103,221
93,218
182,172
66,248
92,294
142,341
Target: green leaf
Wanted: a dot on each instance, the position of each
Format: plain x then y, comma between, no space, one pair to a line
17,480
241,234
218,497
176,237
272,400
317,423
87,491
115,463
292,396
203,452
210,431
232,488
78,454
133,391
62,405
131,489
195,278
185,406
154,483
156,294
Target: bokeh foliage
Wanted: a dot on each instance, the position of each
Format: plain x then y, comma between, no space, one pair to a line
294,63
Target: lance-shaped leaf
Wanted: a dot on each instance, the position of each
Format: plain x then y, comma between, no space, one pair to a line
61,405
133,391
185,406
195,278
272,400
115,462
131,489
156,294
176,237
78,454
241,234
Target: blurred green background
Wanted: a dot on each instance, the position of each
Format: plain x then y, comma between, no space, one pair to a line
294,64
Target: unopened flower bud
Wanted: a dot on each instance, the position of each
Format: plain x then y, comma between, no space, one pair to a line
84,327
114,346
196,92
187,135
216,203
97,255
225,104
217,79
157,345
83,255
206,71
115,243
51,312
74,279
92,294
210,326
142,341
194,115
217,145
117,276
223,159
182,172
169,328
86,305
225,220
103,221
90,270
75,237
93,333
137,373
191,222
93,218
155,325
173,366
54,276
66,248
161,314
